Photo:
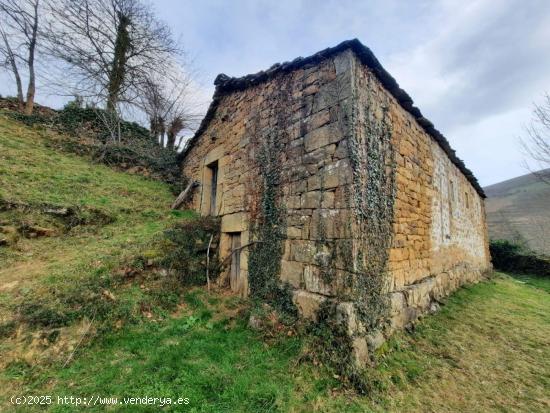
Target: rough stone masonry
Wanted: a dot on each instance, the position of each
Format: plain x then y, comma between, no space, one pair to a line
376,214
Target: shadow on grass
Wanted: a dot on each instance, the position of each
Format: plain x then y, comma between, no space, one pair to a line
537,281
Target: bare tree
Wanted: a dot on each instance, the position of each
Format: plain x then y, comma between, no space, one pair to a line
109,46
154,103
176,125
10,61
170,105
19,32
536,143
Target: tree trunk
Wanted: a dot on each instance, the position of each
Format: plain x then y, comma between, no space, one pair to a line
179,143
13,64
153,129
162,131
118,71
170,140
29,106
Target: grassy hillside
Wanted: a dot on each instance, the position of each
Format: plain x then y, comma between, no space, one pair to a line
71,231
83,314
518,210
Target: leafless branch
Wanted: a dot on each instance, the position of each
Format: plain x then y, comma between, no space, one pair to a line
536,143
110,46
19,26
170,105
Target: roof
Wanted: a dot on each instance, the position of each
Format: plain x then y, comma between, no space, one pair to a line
226,85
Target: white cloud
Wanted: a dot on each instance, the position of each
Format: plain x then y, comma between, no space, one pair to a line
476,77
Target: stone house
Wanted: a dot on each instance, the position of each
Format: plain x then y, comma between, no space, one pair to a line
330,181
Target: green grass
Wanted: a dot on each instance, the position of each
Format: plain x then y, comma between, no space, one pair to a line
32,173
486,350
533,280
51,176
223,365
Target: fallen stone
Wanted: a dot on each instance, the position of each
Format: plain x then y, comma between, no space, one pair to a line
255,322
346,314
308,303
361,354
57,211
34,231
375,341
109,295
434,307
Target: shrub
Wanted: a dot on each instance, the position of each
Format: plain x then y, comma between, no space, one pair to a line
185,250
136,148
7,329
31,120
41,313
508,256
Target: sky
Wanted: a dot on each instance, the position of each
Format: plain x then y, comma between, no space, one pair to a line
475,68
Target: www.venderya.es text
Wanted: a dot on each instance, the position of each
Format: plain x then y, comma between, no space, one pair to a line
96,400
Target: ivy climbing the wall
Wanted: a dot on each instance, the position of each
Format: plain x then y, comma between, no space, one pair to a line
354,266
268,226
372,159
365,123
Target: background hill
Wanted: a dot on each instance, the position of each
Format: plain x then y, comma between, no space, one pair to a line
519,210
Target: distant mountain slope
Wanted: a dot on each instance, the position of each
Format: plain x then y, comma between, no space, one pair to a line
519,209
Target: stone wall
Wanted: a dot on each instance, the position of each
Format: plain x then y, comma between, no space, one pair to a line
319,116
440,234
313,180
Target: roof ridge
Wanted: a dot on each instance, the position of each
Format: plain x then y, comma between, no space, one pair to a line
226,84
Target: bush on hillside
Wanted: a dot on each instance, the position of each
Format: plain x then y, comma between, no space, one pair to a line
508,256
136,150
185,250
